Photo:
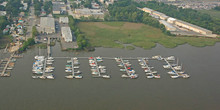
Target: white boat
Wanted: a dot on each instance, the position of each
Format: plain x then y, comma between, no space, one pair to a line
42,77
50,58
68,70
123,70
125,76
106,76
149,74
9,68
166,66
50,67
171,72
35,77
133,76
102,66
75,58
147,71
69,77
170,58
77,72
157,76
50,77
185,76
49,63
95,73
156,57
131,71
150,77
178,68
76,67
174,77
39,57
92,64
48,71
78,77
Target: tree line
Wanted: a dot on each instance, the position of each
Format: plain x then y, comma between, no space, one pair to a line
82,42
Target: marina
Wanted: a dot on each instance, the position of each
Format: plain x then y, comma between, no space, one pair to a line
126,67
73,68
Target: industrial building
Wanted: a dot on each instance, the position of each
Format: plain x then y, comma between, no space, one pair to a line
59,7
47,25
192,27
66,34
147,10
168,26
64,20
85,12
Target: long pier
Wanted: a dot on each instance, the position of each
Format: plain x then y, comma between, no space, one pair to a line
5,68
45,64
73,71
125,67
97,66
171,67
109,58
48,48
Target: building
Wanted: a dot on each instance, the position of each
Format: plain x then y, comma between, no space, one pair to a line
147,10
66,34
95,5
64,20
168,26
171,20
160,15
192,27
47,25
85,12
59,7
3,13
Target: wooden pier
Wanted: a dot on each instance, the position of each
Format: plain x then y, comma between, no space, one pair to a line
5,68
48,48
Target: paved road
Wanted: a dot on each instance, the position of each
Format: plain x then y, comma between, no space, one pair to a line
31,22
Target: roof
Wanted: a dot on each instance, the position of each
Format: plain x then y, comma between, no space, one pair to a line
66,32
192,25
64,19
145,8
47,22
166,24
57,6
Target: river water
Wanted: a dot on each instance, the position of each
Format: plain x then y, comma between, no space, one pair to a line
200,92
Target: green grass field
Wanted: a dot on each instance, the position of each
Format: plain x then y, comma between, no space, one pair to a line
108,34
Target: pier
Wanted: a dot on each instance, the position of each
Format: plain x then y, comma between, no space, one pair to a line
97,67
5,68
48,48
73,71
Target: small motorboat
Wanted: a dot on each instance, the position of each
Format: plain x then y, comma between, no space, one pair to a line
150,77
78,77
101,67
122,70
50,77
76,67
166,66
171,72
35,77
178,68
174,77
133,76
69,77
77,72
50,58
124,76
157,76
68,70
170,58
106,76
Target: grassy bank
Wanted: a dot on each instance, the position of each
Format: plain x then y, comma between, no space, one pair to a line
4,40
105,34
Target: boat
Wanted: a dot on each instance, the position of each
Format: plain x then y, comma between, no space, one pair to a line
178,68
38,72
124,76
68,70
50,58
95,73
42,77
50,67
77,72
185,76
75,58
174,77
69,77
147,71
69,61
170,58
102,67
39,57
35,77
106,76
123,70
150,77
78,77
157,76
68,65
9,68
171,72
50,77
149,74
76,67
48,70
49,63
156,57
133,76
166,66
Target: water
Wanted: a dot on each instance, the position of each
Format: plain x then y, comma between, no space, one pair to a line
200,92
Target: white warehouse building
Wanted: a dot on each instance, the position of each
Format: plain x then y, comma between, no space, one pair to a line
66,34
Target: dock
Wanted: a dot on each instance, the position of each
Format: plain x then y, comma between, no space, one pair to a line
73,71
48,48
5,68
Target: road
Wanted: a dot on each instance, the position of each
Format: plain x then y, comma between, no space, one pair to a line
31,22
